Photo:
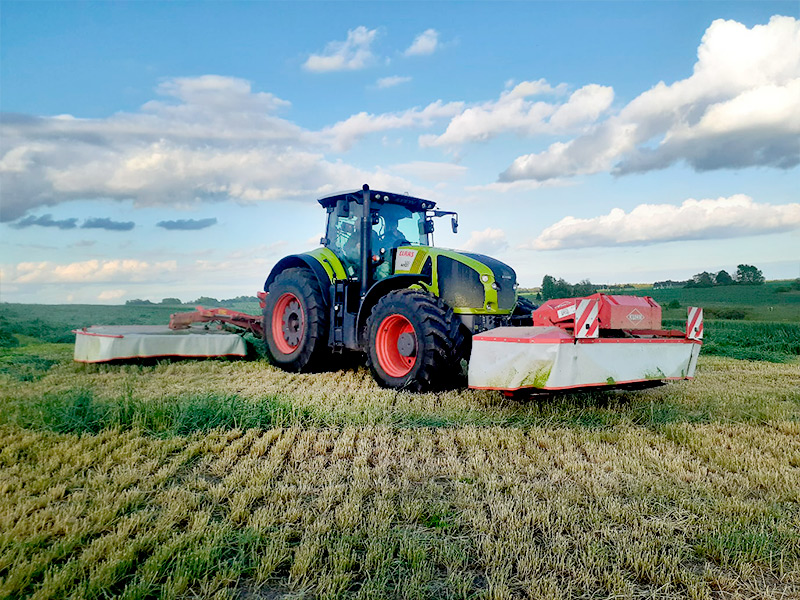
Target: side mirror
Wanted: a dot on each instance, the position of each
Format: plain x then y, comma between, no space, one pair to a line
454,223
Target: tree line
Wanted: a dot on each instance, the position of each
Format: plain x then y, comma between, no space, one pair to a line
206,301
745,275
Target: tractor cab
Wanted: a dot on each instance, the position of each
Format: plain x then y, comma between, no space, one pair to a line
394,220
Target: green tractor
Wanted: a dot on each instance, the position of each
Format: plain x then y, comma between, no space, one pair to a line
378,287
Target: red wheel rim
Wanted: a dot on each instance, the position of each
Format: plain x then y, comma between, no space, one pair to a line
388,342
288,323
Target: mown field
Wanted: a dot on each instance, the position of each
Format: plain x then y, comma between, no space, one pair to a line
236,480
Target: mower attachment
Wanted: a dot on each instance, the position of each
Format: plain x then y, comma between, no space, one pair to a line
597,341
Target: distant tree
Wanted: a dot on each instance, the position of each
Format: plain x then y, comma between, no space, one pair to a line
723,278
206,301
548,287
701,280
560,288
238,300
138,302
170,301
584,288
749,275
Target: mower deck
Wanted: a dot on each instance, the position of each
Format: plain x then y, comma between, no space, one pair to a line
548,358
104,343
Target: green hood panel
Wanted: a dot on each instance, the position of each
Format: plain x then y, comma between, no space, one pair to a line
470,283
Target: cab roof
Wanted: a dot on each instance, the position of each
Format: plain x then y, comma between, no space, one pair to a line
410,202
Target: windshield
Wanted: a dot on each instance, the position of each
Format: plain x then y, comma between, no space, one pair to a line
399,226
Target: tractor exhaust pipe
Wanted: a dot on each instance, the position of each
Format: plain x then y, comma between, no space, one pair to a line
366,239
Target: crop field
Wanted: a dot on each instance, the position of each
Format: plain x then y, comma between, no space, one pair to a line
232,479
773,301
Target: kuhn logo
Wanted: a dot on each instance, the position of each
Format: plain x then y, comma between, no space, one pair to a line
635,316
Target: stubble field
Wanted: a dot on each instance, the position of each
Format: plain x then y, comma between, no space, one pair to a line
236,480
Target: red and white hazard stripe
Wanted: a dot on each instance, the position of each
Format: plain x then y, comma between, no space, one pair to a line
694,325
586,324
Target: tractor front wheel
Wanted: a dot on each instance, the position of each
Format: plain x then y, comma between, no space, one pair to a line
415,342
296,322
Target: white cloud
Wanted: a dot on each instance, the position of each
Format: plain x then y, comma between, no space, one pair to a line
345,133
737,109
425,43
124,270
430,171
516,112
208,138
387,82
350,55
731,217
487,241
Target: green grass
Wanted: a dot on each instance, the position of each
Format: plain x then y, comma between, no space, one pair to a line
756,302
54,323
748,340
79,411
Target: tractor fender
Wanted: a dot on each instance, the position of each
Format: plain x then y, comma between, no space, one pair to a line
379,290
301,261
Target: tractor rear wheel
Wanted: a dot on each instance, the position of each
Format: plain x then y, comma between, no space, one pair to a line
296,322
415,342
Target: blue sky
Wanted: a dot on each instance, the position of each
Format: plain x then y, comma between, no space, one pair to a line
153,149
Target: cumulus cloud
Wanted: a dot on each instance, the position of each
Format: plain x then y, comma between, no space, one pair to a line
344,134
207,138
425,43
517,112
89,271
108,224
387,82
719,218
487,241
737,109
46,221
350,55
187,224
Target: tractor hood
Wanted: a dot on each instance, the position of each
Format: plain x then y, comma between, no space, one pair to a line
469,282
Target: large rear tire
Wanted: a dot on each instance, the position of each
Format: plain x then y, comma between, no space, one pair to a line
296,322
415,342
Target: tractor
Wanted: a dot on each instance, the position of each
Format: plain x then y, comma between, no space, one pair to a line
378,287
422,316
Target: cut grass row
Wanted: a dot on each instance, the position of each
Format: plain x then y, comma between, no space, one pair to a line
376,512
